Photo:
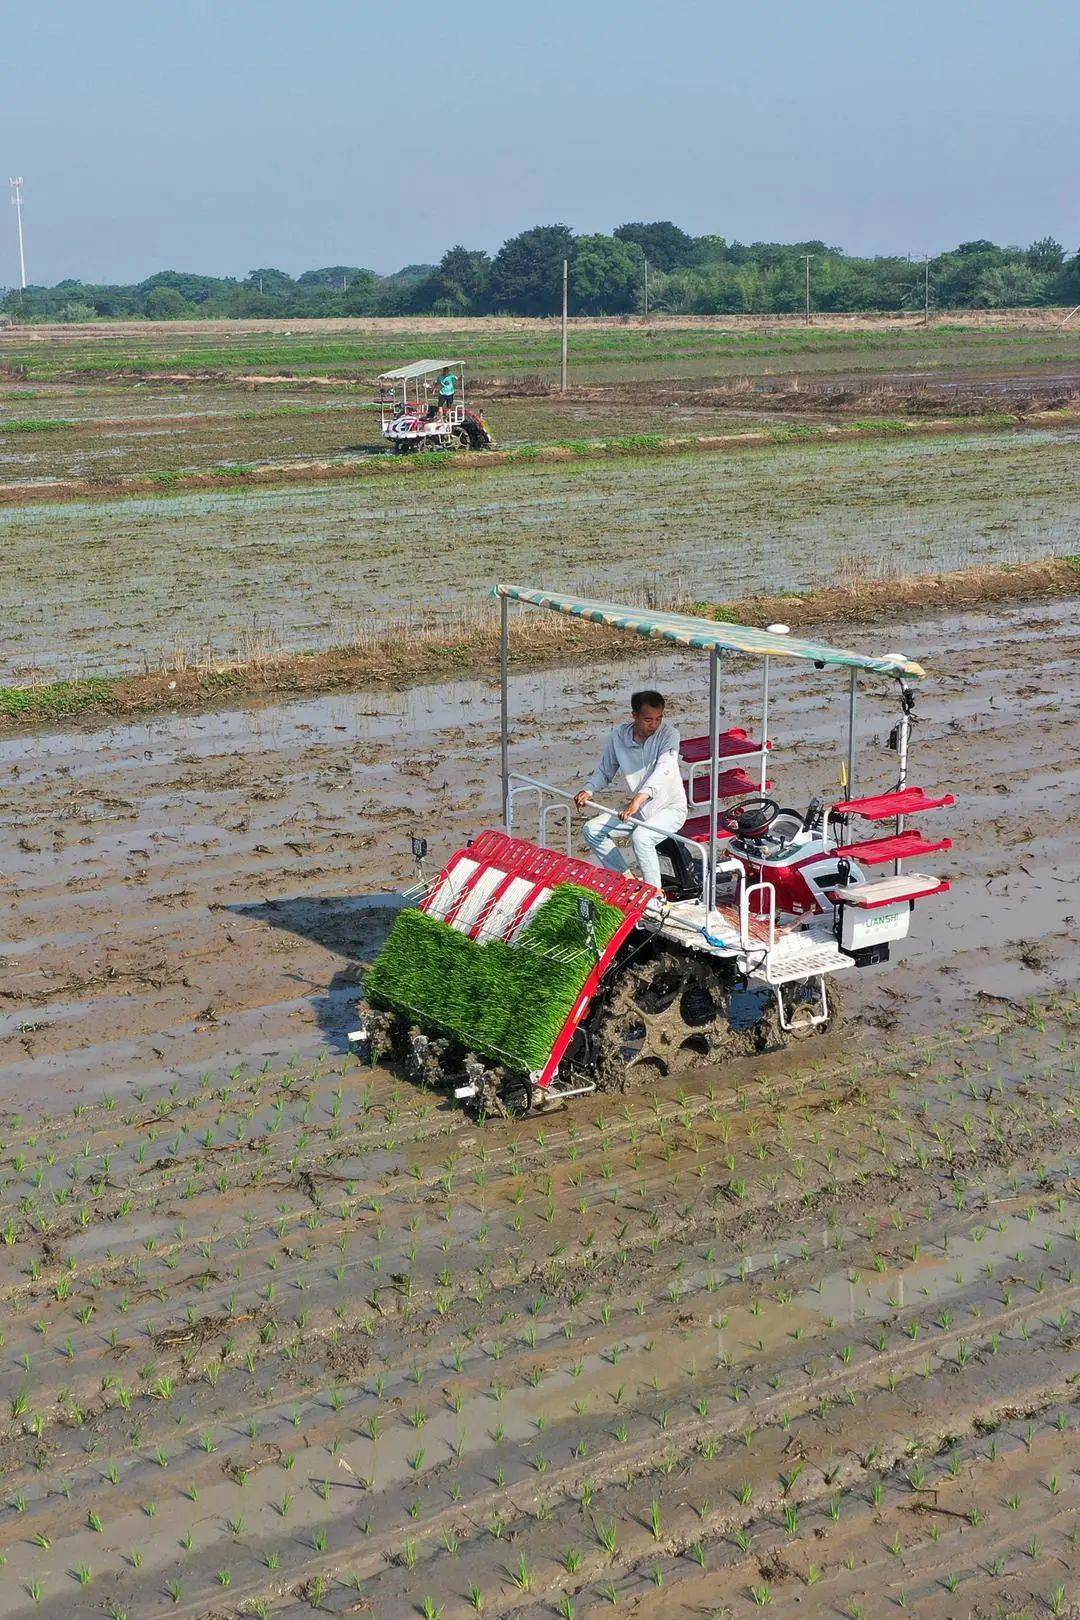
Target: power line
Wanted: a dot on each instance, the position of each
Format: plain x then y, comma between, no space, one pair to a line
16,200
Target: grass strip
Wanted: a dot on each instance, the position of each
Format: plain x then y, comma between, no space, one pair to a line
356,348
59,700
34,424
507,1003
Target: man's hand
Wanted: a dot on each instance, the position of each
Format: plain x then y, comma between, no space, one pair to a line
582,799
634,807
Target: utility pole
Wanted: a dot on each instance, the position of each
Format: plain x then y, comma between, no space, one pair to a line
926,289
16,201
565,284
646,289
807,257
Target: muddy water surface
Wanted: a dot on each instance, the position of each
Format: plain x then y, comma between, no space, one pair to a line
148,430
282,1331
184,892
113,586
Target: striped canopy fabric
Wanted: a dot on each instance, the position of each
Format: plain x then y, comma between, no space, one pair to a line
418,368
709,635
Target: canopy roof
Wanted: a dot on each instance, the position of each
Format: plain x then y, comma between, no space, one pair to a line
417,368
709,635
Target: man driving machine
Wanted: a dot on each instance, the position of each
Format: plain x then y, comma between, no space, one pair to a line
645,751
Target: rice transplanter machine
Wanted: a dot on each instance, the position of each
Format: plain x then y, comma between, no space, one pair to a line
416,417
524,973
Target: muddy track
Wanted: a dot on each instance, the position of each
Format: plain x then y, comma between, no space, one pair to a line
229,1360
187,895
945,394
280,1332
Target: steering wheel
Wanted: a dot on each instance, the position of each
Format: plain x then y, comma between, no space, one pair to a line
750,818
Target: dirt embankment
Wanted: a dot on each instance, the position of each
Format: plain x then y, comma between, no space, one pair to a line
405,655
1023,396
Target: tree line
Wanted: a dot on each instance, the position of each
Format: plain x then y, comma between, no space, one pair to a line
686,275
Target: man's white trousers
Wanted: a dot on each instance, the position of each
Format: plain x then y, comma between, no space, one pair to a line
602,831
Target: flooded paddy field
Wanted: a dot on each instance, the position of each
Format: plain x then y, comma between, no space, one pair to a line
104,586
284,1333
98,434
601,351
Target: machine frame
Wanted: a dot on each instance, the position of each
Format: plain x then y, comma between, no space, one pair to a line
407,423
746,912
828,931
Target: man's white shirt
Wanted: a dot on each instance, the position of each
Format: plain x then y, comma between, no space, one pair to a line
650,767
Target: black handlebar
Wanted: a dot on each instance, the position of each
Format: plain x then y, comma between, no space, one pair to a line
813,811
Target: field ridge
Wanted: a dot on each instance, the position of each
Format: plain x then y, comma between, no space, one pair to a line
399,655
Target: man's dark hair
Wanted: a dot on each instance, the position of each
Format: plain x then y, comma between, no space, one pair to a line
646,700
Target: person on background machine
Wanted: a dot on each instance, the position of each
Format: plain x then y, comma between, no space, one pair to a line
447,391
645,749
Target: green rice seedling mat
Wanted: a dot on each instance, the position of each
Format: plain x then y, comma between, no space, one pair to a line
507,1003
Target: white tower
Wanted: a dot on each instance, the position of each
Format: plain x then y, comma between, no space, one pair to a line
16,198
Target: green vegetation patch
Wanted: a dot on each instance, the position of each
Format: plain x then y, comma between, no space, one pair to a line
635,442
60,700
33,424
505,1002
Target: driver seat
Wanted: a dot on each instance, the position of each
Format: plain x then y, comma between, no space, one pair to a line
682,874
682,870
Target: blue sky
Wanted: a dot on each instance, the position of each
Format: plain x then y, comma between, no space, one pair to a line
227,136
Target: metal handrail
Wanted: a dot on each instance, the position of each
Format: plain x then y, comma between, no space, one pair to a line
744,911
604,809
548,810
530,784
525,791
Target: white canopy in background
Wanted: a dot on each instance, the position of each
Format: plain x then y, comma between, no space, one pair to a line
417,368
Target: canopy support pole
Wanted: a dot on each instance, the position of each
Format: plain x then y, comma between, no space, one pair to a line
504,705
902,739
714,744
852,693
764,725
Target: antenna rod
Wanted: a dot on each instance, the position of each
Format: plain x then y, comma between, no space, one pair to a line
16,198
